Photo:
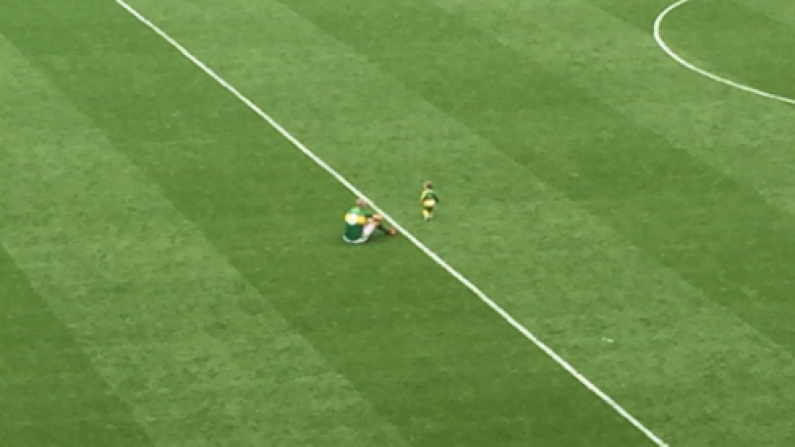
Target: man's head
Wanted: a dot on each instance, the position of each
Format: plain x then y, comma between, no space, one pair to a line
361,203
427,185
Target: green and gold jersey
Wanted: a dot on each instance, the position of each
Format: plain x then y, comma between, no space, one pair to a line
428,198
355,220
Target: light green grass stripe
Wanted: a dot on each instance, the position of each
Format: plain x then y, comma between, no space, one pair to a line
141,289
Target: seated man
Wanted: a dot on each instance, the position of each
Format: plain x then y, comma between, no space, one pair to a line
360,222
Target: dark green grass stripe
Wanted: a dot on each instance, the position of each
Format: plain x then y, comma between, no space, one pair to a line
718,234
50,393
431,358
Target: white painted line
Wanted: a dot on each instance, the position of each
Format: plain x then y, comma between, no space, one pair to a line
664,46
494,306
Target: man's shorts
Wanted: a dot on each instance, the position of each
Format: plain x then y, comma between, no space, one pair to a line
361,240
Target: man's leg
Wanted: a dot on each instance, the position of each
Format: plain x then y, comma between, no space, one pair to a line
378,221
368,231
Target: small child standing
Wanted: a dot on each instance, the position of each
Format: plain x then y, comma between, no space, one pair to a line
428,200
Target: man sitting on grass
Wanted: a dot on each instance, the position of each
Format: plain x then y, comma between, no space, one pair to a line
360,222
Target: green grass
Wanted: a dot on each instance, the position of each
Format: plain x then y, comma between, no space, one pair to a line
171,270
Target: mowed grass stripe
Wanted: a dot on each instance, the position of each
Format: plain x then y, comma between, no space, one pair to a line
657,195
740,246
175,330
50,393
439,365
433,256
568,277
739,134
688,364
745,44
692,369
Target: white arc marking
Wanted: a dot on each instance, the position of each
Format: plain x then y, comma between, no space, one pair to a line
664,46
436,258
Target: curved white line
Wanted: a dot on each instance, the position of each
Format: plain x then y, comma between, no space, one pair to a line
664,46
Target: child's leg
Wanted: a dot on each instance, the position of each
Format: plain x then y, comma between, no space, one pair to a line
427,213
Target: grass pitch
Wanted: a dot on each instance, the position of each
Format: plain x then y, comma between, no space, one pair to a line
171,270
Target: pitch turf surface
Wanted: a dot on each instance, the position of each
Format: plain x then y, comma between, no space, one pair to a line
172,274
